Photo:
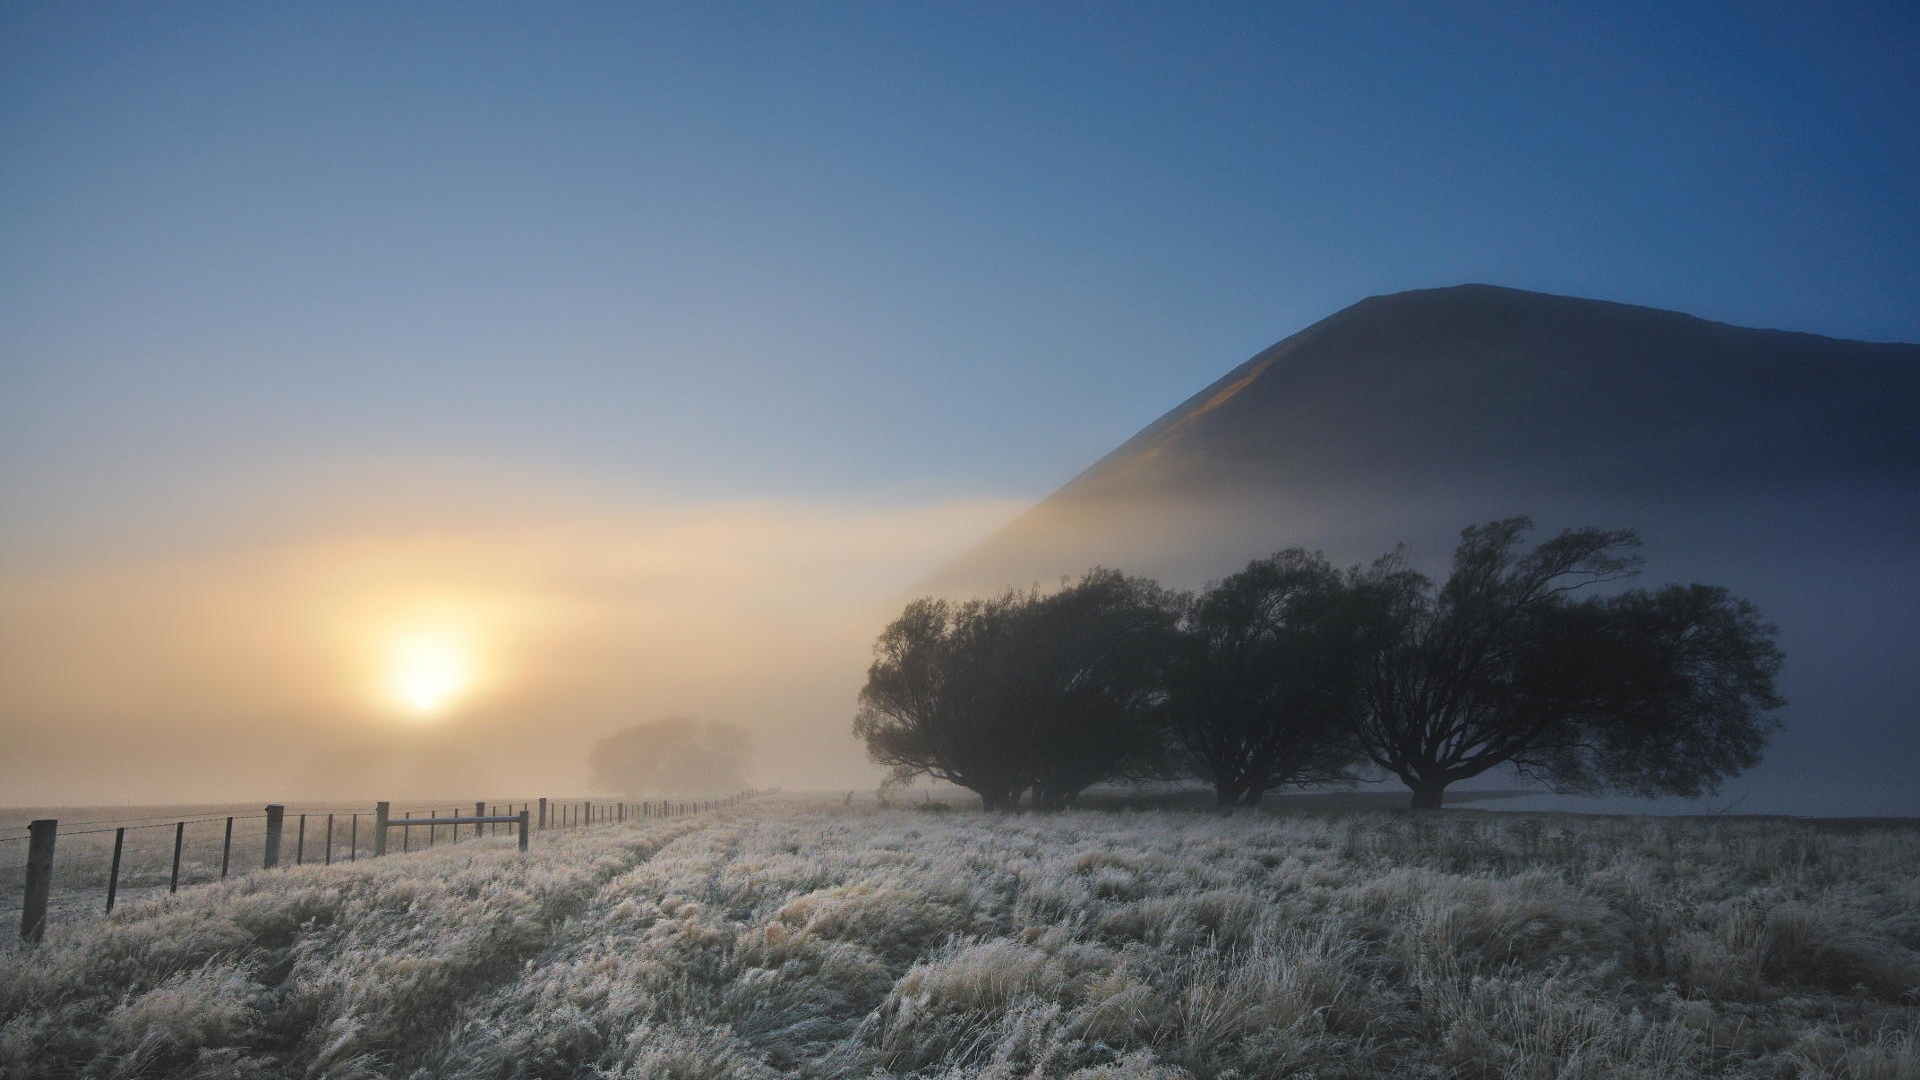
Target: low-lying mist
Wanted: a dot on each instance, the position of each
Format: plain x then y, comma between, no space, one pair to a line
256,657
1830,564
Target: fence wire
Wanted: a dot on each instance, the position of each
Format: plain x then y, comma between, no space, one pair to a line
206,847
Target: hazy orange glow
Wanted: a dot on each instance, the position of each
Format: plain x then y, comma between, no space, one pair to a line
428,670
466,646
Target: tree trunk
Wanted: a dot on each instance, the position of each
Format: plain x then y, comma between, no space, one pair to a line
1254,794
1227,793
1426,793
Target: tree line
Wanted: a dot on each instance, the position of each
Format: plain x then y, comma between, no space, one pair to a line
1292,672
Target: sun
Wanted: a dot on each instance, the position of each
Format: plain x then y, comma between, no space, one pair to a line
426,672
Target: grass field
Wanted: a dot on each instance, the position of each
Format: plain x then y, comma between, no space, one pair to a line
789,937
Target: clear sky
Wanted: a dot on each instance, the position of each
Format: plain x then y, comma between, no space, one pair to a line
293,287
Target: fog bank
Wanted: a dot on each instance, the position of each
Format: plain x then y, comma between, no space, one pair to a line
256,658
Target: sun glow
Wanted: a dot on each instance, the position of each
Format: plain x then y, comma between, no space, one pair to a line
426,672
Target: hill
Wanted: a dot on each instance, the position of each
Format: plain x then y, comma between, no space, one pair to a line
1783,465
1475,401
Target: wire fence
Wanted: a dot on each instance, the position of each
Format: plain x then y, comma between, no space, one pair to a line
58,870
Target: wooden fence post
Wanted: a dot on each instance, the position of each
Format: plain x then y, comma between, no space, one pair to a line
300,843
33,913
113,875
276,819
329,861
381,811
226,850
179,841
543,813
523,828
479,810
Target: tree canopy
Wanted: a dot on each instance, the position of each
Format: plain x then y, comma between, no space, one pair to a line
1096,656
938,698
1290,672
1648,693
1043,692
1265,678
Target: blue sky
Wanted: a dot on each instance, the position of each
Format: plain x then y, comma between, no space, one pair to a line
360,263
911,249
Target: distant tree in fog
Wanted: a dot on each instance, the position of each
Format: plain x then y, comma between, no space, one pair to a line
1265,678
675,756
1648,693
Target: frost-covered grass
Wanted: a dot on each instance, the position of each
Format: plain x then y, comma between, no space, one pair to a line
813,939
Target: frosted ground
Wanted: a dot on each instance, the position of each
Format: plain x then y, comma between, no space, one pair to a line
815,939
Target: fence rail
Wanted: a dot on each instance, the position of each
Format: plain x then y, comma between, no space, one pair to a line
332,829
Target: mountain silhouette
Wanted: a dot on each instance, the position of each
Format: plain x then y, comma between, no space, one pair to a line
1477,401
1785,466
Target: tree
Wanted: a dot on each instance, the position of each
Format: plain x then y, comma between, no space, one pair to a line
1667,692
1684,684
1029,691
1265,678
1091,689
937,701
675,756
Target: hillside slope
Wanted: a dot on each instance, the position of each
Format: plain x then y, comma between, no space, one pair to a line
1473,401
1784,466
